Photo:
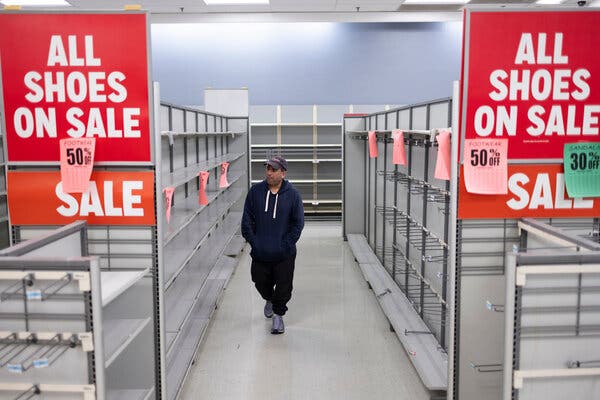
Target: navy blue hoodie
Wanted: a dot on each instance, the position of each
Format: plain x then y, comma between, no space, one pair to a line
272,223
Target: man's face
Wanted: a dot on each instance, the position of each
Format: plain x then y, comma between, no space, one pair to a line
274,176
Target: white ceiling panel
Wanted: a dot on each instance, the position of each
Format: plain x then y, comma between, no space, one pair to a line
306,10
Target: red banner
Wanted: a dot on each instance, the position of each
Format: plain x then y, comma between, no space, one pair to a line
112,198
531,77
536,191
75,76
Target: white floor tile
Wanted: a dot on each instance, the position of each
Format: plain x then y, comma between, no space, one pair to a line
337,343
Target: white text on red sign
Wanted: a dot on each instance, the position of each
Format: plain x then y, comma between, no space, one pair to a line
93,87
540,83
92,204
542,195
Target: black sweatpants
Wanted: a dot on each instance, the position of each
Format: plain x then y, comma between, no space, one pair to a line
274,282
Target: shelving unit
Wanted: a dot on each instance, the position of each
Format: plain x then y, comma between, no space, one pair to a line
396,222
550,312
198,245
109,338
309,137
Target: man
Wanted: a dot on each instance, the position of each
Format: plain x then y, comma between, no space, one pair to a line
272,223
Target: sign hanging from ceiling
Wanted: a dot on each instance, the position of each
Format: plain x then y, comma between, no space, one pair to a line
76,76
530,77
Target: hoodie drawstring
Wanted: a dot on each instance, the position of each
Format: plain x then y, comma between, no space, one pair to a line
267,203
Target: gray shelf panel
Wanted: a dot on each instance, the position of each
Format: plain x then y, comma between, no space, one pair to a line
170,338
178,252
184,291
118,333
223,269
140,394
361,249
267,146
188,134
184,348
180,361
235,246
306,181
316,202
184,175
183,212
310,160
113,283
296,124
430,362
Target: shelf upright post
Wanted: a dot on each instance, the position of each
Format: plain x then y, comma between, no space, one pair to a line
315,141
445,250
383,225
408,189
159,273
395,237
366,191
375,192
368,188
452,276
427,145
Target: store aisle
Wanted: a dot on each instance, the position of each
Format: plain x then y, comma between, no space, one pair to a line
337,343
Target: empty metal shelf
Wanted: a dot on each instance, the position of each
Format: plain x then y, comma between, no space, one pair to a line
118,334
141,394
113,283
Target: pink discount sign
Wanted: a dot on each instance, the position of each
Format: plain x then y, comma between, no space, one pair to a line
202,199
76,163
442,164
223,181
486,166
373,153
168,201
399,157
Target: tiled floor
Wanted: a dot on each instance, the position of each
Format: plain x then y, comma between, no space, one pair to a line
337,343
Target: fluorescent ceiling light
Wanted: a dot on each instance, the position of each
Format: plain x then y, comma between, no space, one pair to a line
548,2
35,3
232,2
436,1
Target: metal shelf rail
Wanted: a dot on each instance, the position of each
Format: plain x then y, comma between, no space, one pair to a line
198,245
60,333
551,309
396,220
309,137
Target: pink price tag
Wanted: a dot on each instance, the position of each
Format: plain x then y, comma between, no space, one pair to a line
223,181
76,164
442,163
399,153
373,144
485,166
202,200
168,191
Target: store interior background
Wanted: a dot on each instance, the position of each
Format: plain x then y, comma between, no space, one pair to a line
308,62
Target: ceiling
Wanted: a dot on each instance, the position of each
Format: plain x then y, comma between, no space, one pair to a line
302,10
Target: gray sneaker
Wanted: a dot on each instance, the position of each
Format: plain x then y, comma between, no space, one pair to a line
278,326
268,309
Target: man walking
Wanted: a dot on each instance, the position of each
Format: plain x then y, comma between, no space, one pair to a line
272,223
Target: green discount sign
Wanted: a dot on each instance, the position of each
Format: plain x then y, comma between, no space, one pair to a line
582,169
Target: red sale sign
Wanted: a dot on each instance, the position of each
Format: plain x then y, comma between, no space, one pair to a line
75,76
531,78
